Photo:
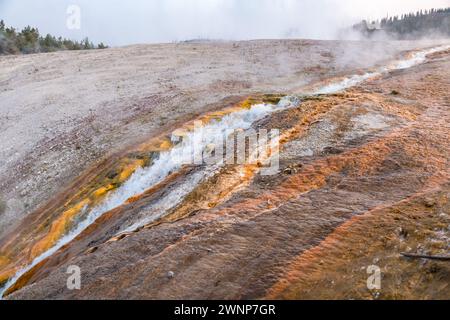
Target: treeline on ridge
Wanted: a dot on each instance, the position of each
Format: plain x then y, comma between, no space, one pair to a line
28,40
423,23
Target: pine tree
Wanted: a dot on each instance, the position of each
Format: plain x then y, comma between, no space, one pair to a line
29,41
415,25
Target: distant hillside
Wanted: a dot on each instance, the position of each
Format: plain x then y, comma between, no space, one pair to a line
30,41
409,26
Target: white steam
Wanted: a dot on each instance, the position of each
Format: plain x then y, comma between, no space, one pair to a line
119,22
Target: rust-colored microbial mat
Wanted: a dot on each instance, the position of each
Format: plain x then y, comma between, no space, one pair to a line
364,177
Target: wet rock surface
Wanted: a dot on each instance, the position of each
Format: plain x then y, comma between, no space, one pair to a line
62,113
364,176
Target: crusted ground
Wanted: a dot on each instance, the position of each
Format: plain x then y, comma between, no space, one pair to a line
62,113
364,177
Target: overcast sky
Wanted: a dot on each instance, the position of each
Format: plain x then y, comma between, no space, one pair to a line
119,22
